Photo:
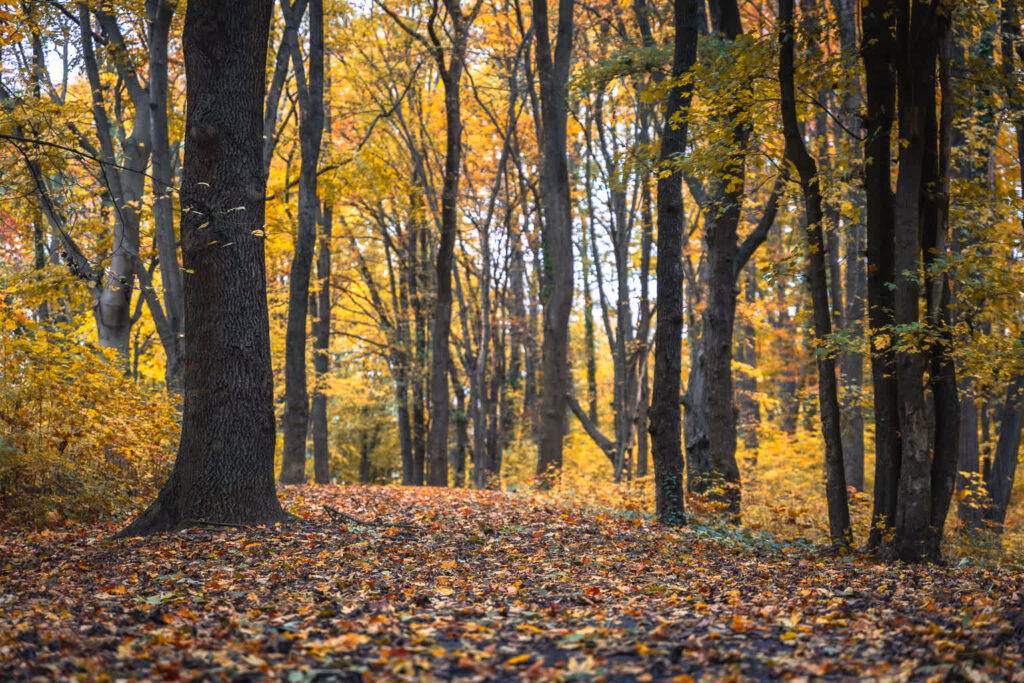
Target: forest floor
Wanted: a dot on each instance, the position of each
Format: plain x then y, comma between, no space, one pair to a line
414,584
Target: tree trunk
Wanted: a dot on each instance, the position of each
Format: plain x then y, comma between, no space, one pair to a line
945,403
458,460
877,51
1004,463
112,306
589,352
851,359
451,77
716,472
664,414
159,14
746,383
321,346
224,469
556,294
311,126
797,155
915,71
643,331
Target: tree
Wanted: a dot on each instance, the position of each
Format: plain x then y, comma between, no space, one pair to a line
807,168
311,126
557,268
917,439
665,414
224,468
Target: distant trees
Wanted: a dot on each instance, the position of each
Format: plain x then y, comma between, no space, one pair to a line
518,210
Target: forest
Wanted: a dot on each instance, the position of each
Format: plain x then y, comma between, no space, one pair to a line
488,339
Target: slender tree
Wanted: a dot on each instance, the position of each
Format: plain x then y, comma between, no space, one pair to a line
806,167
665,415
556,281
295,420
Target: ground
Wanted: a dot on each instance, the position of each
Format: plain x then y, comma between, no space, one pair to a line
411,584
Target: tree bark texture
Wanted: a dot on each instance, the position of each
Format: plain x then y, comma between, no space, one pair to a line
224,469
711,461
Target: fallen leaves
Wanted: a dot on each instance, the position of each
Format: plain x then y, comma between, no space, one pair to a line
411,584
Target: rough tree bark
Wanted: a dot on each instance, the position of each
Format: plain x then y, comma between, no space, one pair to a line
224,469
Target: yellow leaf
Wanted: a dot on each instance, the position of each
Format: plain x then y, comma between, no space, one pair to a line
518,659
348,641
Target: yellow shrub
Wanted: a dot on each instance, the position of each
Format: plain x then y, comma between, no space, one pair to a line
78,438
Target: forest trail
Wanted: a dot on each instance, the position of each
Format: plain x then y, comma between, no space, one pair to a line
421,583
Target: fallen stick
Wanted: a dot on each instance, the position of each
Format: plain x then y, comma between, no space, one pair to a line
339,516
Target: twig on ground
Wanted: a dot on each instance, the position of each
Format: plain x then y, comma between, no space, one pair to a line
339,516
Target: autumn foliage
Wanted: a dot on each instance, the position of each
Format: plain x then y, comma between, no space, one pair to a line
79,439
389,583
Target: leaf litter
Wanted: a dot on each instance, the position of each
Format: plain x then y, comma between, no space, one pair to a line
390,583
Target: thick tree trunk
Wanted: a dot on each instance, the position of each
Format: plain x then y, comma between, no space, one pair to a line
224,469
556,294
664,414
311,126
